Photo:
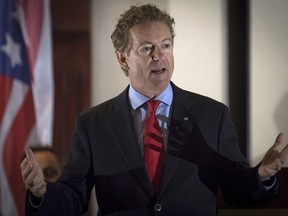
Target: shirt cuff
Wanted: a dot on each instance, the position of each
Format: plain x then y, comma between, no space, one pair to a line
269,184
35,202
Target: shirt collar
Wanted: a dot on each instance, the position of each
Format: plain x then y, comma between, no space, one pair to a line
137,99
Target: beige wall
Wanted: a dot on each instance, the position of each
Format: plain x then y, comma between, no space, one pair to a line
269,74
199,47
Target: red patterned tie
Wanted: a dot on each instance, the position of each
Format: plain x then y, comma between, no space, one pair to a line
153,146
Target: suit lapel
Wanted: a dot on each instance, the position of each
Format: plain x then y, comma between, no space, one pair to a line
123,131
180,117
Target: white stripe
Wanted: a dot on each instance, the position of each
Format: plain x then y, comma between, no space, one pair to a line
22,23
32,138
18,94
43,87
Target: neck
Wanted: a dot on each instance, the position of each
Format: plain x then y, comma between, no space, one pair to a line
149,93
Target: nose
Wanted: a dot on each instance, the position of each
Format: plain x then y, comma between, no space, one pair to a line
156,54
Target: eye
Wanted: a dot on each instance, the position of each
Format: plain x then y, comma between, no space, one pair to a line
146,49
166,45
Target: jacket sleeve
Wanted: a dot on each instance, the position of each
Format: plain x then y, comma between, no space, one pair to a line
239,182
70,194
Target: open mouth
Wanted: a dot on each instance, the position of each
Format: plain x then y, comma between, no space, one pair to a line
157,71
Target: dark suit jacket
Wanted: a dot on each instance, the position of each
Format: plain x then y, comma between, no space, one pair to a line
202,154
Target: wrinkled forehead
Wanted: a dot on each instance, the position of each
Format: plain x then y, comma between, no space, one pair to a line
150,32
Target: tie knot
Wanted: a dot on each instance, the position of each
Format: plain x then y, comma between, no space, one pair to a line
152,105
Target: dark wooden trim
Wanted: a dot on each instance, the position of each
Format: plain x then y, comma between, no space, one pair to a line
72,68
238,68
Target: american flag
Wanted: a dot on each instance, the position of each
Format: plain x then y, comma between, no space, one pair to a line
26,92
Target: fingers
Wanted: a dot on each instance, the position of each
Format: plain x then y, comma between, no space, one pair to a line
30,156
32,175
38,190
27,166
279,140
25,169
284,154
274,158
277,164
27,173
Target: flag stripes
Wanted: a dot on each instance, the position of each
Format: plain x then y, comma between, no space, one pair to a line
26,92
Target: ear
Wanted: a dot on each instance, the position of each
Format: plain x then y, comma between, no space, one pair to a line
122,59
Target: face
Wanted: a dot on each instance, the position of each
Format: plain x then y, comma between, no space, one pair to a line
49,164
150,62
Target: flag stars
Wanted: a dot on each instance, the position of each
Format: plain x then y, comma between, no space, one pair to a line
12,50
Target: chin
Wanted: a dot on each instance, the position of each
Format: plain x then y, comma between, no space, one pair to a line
161,86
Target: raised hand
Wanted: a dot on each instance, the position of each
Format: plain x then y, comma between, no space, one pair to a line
274,159
32,175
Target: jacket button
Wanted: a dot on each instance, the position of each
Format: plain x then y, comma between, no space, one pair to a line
158,207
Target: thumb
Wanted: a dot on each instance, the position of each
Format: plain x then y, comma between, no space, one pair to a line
279,140
30,155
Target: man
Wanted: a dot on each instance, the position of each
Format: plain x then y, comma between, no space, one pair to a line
176,168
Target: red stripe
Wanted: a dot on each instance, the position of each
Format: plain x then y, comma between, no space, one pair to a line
13,150
33,11
5,89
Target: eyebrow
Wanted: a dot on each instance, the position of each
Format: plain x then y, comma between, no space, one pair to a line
146,42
